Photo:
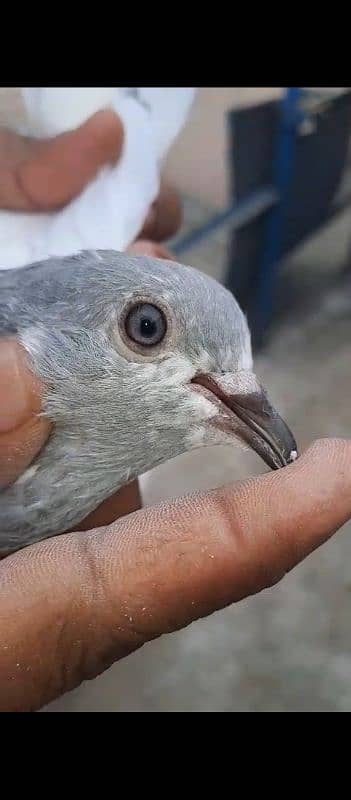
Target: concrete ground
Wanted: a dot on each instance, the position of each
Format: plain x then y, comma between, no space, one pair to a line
288,649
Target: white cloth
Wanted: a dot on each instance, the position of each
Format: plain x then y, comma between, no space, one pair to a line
110,211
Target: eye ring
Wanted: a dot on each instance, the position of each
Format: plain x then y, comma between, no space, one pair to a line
144,325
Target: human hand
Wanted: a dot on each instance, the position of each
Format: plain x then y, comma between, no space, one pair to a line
72,605
46,174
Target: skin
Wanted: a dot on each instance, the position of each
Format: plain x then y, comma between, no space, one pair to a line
72,605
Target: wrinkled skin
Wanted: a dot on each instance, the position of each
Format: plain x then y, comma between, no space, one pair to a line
72,605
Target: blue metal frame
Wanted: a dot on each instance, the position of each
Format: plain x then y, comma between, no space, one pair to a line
291,118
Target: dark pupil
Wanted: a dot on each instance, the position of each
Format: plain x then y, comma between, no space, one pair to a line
148,327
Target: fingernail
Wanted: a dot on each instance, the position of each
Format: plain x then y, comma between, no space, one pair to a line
14,400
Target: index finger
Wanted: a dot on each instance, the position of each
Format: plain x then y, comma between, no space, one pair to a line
72,605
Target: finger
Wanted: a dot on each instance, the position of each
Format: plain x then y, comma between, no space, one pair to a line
22,431
165,216
60,169
144,247
72,605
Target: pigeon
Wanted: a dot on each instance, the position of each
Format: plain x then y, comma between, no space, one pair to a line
143,360
110,212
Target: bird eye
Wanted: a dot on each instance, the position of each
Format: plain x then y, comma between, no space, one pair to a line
146,324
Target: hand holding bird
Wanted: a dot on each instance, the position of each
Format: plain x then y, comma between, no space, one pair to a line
72,605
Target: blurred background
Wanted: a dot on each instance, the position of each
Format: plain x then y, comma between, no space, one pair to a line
264,179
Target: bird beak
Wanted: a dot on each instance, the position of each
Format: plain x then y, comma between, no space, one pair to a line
245,411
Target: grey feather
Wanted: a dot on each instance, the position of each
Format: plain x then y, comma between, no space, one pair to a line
116,413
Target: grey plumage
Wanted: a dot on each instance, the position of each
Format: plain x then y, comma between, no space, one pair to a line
117,412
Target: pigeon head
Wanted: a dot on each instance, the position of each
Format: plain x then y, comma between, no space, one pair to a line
143,360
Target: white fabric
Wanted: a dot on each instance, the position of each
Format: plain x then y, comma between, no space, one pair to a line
111,210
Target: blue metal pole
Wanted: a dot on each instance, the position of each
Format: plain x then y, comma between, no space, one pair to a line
282,178
236,216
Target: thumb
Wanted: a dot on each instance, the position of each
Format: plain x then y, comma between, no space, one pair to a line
72,605
22,431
